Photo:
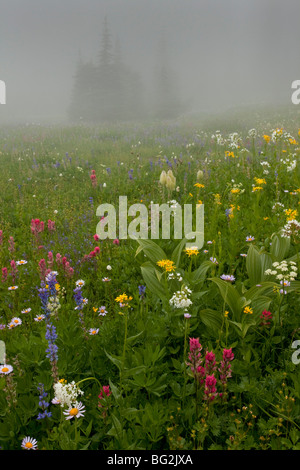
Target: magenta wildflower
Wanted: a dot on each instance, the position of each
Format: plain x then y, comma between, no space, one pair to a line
210,390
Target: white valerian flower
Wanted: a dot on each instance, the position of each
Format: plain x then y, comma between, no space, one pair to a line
66,394
285,272
291,229
180,299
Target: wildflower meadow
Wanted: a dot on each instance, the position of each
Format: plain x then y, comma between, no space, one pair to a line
136,343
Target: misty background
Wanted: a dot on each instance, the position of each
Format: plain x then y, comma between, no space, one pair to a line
193,55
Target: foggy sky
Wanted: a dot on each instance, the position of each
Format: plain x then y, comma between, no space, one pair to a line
222,52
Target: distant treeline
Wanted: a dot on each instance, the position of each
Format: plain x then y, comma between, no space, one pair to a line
110,90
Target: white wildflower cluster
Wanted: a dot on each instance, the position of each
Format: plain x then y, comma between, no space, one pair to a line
66,394
265,166
53,305
168,180
277,207
291,229
285,271
237,187
252,133
234,141
180,299
176,276
290,162
218,138
283,135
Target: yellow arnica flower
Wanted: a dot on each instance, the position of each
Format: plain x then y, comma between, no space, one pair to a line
199,185
217,198
291,214
229,154
256,188
123,299
248,310
267,138
235,191
192,251
293,141
260,181
167,265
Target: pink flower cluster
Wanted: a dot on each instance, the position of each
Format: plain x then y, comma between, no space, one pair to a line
38,226
13,272
93,178
205,367
105,392
266,318
61,261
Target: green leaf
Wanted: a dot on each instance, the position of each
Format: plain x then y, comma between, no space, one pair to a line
151,278
211,318
280,247
230,296
115,360
199,274
256,264
151,249
176,255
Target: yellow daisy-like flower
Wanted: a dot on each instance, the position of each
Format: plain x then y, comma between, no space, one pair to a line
217,198
229,154
267,138
291,214
293,141
199,185
226,313
167,265
57,287
256,188
123,299
260,181
248,310
235,191
193,251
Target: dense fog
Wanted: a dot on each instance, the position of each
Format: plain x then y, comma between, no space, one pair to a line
108,60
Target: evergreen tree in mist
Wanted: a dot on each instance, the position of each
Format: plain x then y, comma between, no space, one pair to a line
166,101
109,90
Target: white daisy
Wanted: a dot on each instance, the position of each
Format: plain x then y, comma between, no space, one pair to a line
76,412
6,369
29,443
39,318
